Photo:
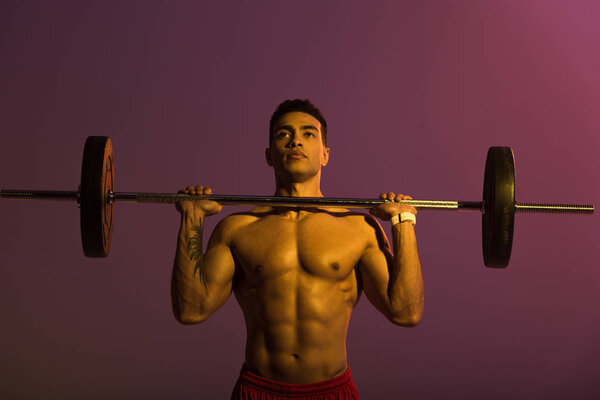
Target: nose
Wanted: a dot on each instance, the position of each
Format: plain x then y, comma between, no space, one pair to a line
295,141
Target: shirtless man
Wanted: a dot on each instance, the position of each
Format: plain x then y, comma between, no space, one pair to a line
297,272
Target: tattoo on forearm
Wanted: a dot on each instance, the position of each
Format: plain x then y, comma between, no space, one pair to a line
195,250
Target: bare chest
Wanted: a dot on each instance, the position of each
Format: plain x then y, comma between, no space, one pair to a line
319,244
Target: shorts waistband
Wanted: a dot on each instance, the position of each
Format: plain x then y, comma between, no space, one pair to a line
264,384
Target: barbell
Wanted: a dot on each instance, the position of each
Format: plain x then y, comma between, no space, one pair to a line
96,198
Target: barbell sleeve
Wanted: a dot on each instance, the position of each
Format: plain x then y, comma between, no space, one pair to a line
546,208
62,195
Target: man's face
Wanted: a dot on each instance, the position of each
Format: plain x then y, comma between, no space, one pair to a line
297,149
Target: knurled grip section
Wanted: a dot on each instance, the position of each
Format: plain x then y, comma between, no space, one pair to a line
61,195
291,200
548,208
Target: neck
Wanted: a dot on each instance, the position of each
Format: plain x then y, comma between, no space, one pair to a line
305,188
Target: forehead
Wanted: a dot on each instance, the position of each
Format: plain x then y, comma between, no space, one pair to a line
297,119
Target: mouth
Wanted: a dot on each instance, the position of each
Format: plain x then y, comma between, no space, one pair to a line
295,155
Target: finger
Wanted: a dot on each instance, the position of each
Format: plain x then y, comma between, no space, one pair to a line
391,196
382,196
199,189
399,197
207,190
189,190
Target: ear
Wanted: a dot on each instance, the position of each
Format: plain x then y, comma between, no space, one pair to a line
325,158
268,156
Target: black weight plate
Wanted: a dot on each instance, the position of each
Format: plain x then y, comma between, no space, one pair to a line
97,179
499,207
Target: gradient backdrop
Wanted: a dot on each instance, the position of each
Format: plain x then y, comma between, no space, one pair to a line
414,93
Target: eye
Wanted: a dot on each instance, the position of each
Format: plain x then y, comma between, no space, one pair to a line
282,134
309,133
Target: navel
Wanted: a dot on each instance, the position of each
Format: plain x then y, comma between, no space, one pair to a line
296,356
259,268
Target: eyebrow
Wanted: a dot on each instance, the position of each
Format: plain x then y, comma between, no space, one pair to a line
303,127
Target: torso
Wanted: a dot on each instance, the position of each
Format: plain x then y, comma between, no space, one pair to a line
296,283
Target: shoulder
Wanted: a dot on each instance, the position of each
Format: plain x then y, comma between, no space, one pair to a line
369,228
364,224
228,226
236,220
362,220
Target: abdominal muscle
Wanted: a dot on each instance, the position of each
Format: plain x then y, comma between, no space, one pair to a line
296,327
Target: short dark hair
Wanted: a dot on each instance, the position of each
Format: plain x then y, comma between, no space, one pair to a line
299,105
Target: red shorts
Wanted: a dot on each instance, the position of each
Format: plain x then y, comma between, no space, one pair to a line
254,387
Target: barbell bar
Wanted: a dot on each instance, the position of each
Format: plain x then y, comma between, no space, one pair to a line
96,198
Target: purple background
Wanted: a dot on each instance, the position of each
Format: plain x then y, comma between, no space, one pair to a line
414,94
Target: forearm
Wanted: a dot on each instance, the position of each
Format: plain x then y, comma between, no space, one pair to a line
188,287
406,290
